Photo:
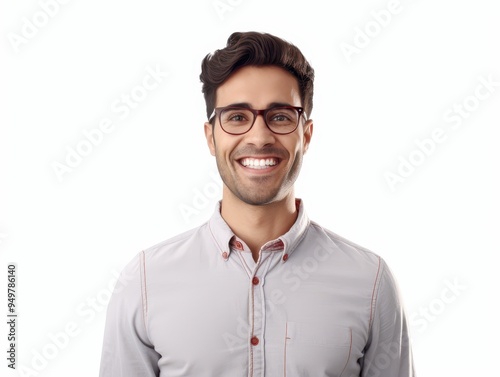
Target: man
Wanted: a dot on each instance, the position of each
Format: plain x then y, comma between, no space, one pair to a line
258,290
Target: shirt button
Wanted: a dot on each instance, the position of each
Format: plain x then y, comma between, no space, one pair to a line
255,280
285,257
239,245
224,255
254,341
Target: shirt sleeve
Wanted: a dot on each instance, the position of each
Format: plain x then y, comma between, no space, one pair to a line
127,350
388,352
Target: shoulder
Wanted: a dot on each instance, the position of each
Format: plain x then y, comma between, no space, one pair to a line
164,251
342,247
357,259
177,240
181,243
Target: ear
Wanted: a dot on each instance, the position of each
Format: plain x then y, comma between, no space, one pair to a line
209,134
308,131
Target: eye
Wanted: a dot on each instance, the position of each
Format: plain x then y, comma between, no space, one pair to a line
280,118
282,115
236,118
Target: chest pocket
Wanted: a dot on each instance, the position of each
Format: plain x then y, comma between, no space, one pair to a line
316,349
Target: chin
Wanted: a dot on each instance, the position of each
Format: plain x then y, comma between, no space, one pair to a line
260,200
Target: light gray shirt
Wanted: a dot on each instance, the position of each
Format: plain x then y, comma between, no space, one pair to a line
314,304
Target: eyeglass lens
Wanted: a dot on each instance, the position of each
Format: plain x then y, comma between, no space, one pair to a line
240,120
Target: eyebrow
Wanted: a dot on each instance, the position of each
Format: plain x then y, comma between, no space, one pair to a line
248,106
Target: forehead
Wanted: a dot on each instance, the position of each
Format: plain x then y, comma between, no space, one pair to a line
259,86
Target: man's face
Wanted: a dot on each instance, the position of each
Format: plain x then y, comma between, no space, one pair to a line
259,87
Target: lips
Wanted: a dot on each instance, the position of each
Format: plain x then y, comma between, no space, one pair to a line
259,163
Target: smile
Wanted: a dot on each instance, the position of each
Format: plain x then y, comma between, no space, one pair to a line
259,163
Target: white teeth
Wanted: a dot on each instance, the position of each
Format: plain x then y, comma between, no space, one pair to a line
255,163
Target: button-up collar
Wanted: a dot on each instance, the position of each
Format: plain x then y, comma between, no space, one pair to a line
227,241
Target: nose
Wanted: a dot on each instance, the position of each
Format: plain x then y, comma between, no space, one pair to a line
260,135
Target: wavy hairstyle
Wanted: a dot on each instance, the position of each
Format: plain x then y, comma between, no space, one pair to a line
257,49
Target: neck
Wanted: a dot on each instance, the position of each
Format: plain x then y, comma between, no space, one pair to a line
256,225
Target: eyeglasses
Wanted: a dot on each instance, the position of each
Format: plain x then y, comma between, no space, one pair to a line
236,120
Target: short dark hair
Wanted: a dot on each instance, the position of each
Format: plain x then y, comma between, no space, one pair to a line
258,49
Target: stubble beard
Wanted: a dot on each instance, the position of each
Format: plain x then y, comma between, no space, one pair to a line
259,193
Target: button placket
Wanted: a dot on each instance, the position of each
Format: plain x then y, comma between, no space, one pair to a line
256,320
257,312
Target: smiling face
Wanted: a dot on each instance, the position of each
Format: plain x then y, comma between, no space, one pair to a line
259,167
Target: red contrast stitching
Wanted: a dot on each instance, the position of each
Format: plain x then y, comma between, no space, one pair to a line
349,356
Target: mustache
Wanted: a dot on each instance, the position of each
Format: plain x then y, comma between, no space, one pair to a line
250,151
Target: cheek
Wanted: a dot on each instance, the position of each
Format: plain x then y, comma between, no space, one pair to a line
294,147
224,145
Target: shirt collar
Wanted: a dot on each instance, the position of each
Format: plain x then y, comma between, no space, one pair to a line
222,233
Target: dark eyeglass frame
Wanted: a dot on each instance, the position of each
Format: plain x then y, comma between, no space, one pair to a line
218,111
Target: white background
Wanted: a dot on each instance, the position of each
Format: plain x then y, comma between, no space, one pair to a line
70,238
